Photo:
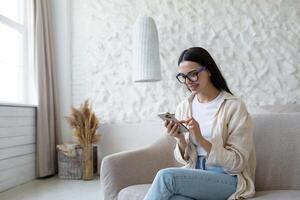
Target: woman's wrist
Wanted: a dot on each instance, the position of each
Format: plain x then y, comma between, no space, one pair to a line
181,144
200,140
180,139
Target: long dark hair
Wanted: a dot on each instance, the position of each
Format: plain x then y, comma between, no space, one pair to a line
201,56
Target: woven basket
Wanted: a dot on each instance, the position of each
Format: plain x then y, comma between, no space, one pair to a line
70,167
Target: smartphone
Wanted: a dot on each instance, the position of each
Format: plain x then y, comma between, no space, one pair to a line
171,117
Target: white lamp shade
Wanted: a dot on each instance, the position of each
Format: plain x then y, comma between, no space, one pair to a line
146,63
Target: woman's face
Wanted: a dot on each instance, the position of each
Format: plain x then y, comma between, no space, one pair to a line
203,79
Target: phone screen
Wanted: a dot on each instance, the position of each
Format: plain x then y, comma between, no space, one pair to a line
168,116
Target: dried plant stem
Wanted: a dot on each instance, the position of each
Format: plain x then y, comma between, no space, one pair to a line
88,162
85,124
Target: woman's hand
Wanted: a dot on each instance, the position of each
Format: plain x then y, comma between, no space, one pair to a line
173,129
194,128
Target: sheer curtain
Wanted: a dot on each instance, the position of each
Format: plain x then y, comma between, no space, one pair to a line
48,133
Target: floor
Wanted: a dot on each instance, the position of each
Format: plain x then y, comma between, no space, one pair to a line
55,189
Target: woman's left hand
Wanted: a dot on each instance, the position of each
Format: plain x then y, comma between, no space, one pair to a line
194,128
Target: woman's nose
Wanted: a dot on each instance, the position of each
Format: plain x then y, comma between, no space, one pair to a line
187,81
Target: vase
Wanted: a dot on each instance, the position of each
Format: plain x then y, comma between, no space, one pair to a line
87,169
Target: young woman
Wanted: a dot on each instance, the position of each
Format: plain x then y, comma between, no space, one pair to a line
218,151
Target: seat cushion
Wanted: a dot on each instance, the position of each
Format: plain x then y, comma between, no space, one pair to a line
277,195
138,192
134,192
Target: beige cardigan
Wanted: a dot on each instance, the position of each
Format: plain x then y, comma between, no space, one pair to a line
232,143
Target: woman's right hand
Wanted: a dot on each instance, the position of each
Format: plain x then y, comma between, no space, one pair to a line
173,130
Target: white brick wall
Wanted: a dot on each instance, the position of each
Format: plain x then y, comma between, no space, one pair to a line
255,43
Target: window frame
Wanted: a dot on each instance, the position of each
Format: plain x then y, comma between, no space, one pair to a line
28,95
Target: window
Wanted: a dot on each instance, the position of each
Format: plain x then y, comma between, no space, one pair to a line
17,73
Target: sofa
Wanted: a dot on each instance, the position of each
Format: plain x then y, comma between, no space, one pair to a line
128,175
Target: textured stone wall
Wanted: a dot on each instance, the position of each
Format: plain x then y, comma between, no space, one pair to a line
256,44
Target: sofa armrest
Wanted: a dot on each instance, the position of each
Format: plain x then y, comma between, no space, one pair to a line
140,166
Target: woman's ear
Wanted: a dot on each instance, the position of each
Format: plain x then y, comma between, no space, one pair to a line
209,74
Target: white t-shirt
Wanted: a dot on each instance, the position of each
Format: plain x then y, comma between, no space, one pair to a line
204,114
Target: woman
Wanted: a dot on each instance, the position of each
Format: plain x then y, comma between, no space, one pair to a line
218,151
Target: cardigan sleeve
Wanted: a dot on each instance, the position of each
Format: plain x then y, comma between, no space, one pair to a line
189,157
178,156
233,154
185,158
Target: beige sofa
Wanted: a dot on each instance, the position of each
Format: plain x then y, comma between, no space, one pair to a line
128,175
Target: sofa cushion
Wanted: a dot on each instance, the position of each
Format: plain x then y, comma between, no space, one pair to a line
279,108
134,192
277,139
277,195
276,108
138,192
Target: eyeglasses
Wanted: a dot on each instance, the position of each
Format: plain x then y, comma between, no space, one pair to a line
192,75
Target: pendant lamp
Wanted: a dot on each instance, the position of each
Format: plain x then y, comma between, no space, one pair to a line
146,62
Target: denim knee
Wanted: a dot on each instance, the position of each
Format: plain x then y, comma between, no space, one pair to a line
163,186
166,173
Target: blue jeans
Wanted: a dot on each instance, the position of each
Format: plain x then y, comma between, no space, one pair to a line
202,183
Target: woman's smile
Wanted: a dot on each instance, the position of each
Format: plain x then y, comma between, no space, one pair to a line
193,86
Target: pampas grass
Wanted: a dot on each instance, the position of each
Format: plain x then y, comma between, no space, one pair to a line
84,124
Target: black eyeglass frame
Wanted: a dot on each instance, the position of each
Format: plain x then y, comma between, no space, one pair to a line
202,68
